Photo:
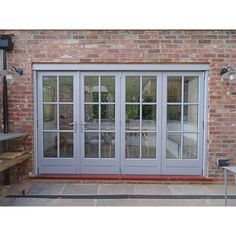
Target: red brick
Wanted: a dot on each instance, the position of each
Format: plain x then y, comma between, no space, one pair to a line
139,46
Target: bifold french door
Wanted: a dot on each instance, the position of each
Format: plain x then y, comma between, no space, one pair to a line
100,123
120,122
57,129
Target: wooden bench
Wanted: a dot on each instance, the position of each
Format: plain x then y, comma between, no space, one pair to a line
5,165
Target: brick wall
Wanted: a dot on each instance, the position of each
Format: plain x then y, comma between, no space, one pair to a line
217,48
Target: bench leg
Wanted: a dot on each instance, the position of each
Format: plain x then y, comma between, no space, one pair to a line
6,177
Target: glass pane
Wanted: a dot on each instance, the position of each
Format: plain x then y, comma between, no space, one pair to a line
174,89
66,89
91,145
148,145
91,89
149,89
149,117
132,88
107,145
66,145
132,145
66,117
173,146
50,144
191,89
91,117
190,146
108,117
173,117
190,117
49,117
49,88
108,89
132,117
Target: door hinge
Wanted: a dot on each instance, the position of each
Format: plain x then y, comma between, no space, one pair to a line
203,124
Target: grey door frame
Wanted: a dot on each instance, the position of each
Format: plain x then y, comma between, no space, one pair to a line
55,165
78,68
184,166
100,165
141,166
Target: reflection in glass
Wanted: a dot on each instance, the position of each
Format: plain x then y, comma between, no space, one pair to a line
50,144
91,117
66,145
66,89
132,117
108,117
148,145
132,88
91,89
190,146
107,89
91,145
49,88
173,117
132,145
174,89
191,89
149,117
190,117
107,145
149,88
49,117
66,117
173,146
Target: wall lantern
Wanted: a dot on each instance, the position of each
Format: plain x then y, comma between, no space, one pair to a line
11,73
228,73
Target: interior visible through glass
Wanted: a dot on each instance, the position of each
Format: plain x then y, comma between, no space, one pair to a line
50,144
174,88
132,145
91,88
149,88
65,88
132,88
173,146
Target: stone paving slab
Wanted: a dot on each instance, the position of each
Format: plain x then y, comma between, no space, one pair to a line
30,202
81,189
41,188
116,189
160,189
55,188
73,202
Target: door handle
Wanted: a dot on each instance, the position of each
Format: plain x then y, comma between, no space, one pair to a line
74,124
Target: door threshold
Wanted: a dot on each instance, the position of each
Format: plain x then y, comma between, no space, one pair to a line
125,178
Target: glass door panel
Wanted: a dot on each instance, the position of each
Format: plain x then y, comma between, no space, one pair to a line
182,116
140,100
99,123
56,122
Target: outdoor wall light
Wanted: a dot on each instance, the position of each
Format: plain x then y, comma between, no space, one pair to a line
11,73
228,73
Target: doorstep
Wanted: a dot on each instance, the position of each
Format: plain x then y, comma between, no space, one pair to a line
128,178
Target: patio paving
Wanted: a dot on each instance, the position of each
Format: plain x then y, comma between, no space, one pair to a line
117,194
